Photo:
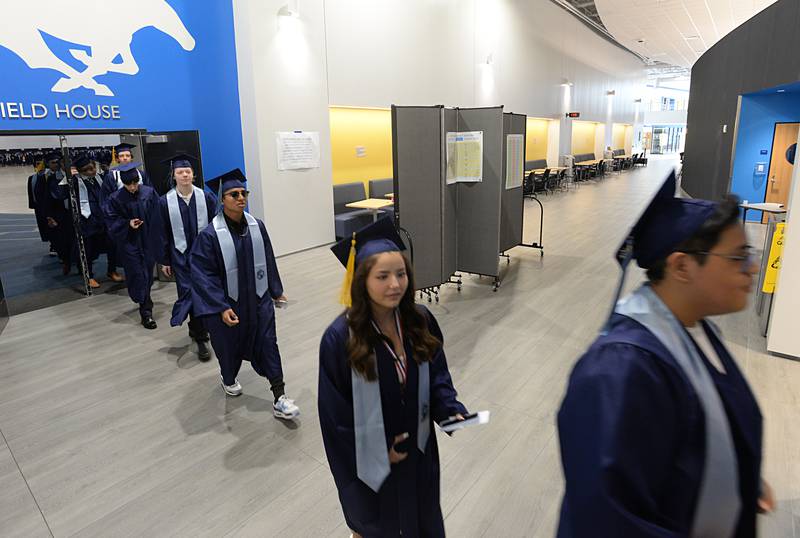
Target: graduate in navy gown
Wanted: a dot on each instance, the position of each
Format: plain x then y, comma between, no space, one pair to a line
383,382
37,193
132,217
91,201
57,211
660,433
235,281
185,211
112,182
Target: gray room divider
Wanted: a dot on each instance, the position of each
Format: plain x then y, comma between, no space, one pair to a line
511,209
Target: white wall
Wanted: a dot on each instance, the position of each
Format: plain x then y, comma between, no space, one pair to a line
667,117
515,53
783,336
282,87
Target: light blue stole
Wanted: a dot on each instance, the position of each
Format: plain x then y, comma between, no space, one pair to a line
372,456
176,222
719,503
83,195
231,261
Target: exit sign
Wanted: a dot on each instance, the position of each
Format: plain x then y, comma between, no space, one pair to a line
573,114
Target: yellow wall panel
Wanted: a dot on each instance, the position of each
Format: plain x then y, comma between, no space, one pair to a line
536,139
618,136
583,136
367,128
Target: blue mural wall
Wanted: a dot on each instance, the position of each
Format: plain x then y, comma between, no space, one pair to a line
757,119
159,65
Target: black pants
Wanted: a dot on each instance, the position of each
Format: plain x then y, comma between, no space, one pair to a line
197,331
146,308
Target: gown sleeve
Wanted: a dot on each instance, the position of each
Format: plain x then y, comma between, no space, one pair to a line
117,220
275,284
164,247
336,408
617,429
209,293
444,398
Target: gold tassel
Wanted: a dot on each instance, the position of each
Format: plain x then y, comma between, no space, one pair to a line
344,295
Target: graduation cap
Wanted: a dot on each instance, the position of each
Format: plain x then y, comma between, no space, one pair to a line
81,161
229,180
124,147
128,172
376,238
180,160
665,223
53,156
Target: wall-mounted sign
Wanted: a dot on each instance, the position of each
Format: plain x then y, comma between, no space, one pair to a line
573,114
159,65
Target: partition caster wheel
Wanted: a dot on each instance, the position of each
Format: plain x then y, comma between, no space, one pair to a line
541,254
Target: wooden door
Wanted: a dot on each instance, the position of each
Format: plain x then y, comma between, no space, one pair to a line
779,178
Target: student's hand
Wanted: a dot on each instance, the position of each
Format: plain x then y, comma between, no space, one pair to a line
167,270
135,223
766,502
51,222
230,318
394,456
73,171
457,416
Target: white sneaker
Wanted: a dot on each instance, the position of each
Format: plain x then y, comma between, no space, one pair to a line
285,408
231,390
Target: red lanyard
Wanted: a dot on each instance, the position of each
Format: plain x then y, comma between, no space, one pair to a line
399,362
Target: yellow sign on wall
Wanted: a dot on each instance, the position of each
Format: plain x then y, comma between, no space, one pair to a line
774,264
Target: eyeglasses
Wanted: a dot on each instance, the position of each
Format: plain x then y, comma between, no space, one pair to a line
746,260
236,194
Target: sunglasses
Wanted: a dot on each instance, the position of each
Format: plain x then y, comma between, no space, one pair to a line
236,194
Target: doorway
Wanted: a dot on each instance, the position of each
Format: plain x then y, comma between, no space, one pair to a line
32,275
779,182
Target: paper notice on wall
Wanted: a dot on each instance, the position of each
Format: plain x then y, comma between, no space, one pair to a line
515,160
464,157
297,150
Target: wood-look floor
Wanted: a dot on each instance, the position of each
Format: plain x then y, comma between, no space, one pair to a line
112,430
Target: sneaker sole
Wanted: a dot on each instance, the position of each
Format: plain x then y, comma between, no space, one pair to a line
234,394
279,414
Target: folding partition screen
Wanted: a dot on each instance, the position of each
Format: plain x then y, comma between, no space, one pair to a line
511,209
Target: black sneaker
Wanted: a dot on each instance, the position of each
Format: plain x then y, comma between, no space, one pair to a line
203,352
149,323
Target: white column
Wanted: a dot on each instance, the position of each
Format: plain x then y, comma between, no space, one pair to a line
283,87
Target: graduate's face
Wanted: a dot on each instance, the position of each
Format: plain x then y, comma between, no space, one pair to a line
721,284
184,176
235,203
54,165
88,171
124,157
387,280
132,187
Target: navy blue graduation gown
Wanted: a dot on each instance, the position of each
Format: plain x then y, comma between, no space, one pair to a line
632,437
179,262
254,338
408,500
138,247
55,207
37,198
93,228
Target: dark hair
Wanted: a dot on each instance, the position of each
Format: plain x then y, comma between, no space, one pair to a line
363,338
725,215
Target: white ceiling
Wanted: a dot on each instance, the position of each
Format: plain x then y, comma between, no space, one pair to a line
675,32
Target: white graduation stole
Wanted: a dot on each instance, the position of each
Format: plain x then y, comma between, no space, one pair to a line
83,196
176,222
231,261
372,458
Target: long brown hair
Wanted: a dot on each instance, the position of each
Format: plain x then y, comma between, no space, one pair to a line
364,338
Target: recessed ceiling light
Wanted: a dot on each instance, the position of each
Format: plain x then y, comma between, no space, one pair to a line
781,91
691,37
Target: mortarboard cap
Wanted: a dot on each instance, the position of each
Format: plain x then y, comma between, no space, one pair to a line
181,160
124,147
665,223
229,180
376,238
128,172
53,156
81,161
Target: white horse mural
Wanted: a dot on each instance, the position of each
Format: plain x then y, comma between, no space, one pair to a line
106,27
